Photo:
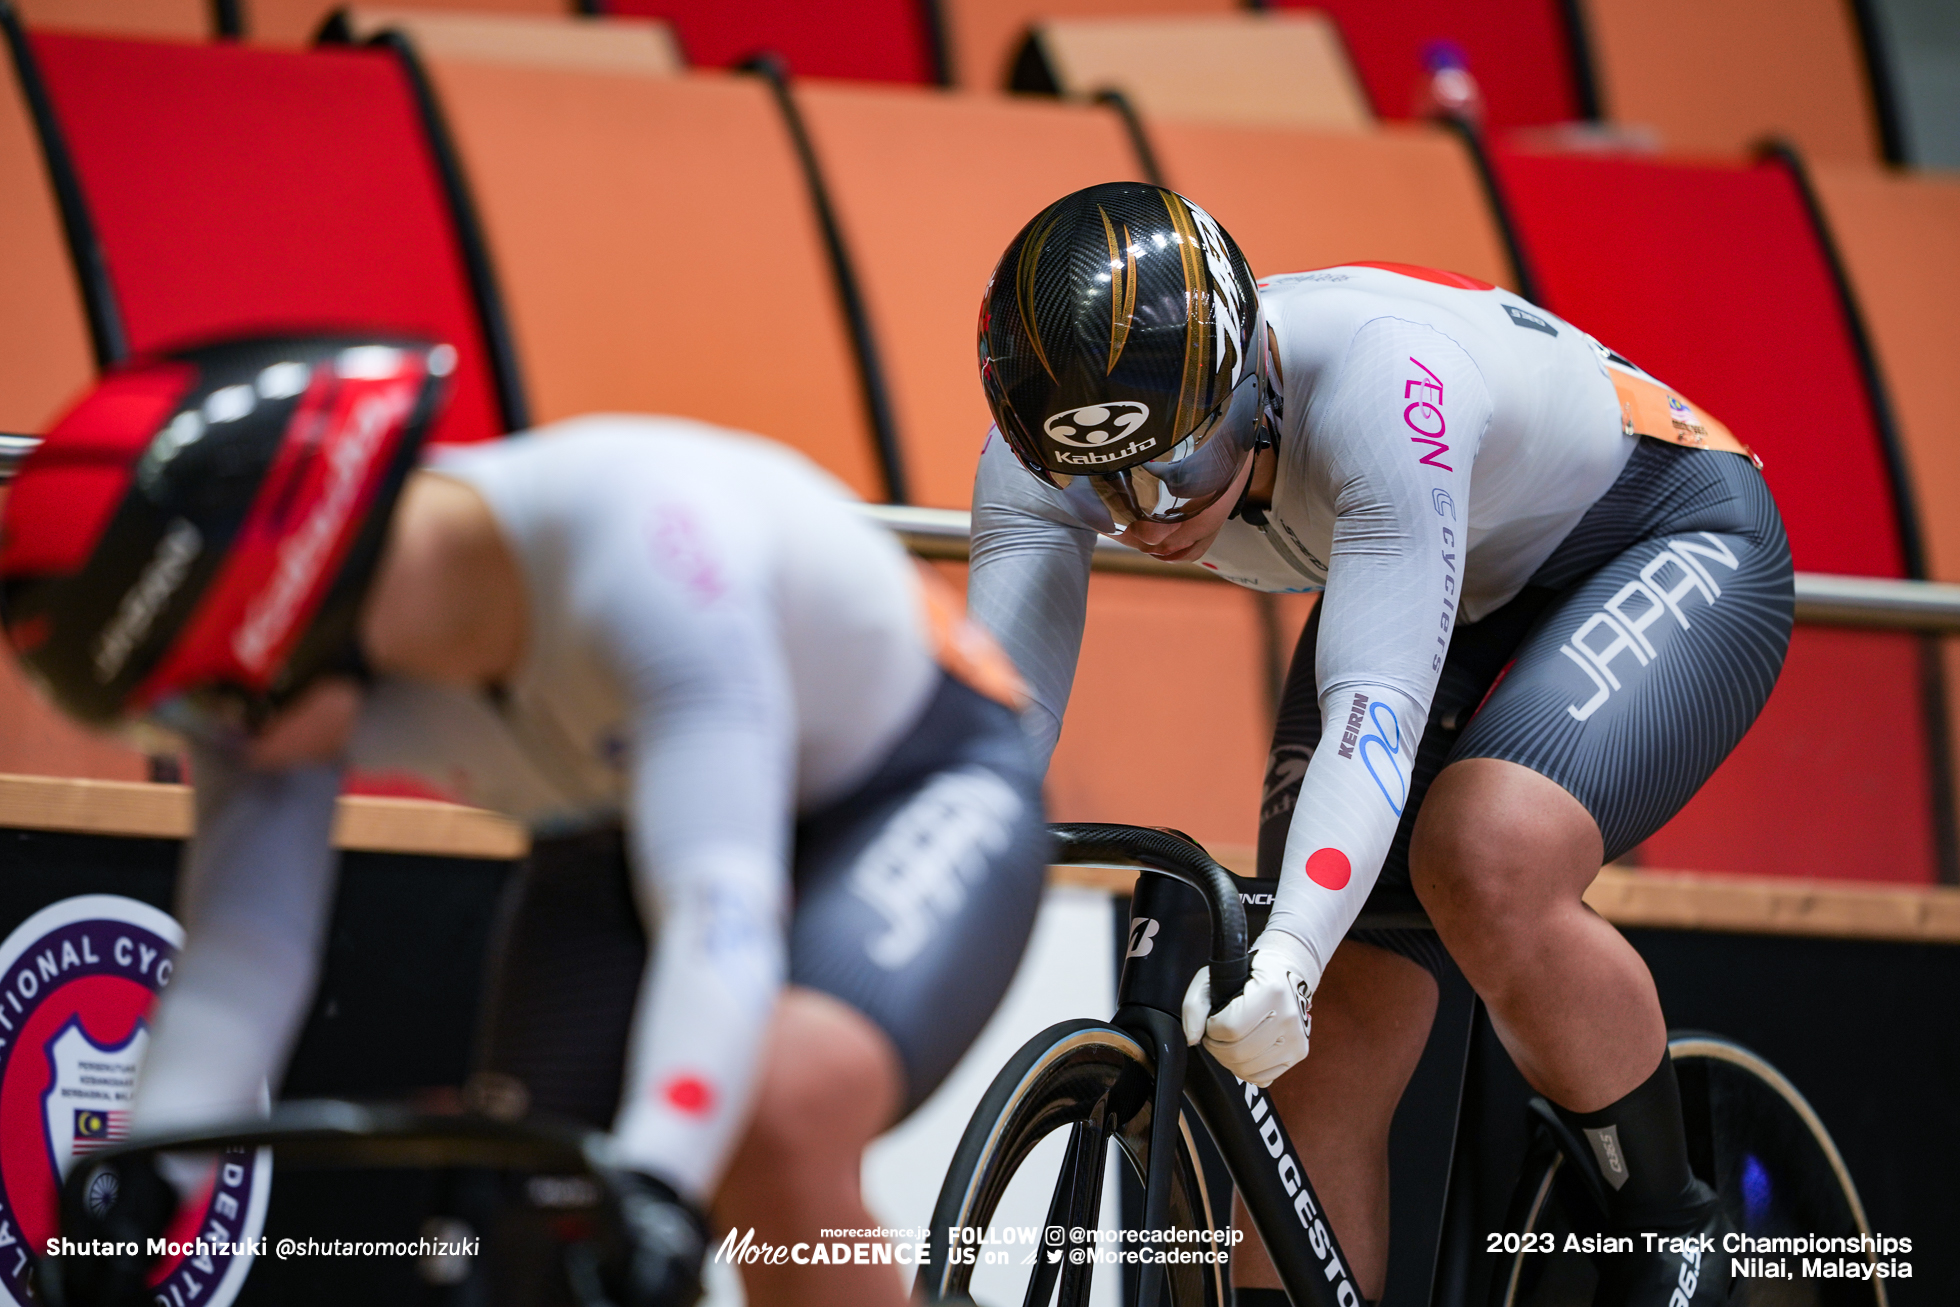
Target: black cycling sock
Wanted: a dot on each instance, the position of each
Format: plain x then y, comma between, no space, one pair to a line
1640,1146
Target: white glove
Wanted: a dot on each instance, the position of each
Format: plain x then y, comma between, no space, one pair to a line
1262,1033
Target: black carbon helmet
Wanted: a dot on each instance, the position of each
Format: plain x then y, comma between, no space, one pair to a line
1122,353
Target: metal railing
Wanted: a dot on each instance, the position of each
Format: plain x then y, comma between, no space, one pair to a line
12,450
1822,600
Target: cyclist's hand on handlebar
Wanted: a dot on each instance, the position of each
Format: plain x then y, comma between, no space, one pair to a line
660,1246
1263,1032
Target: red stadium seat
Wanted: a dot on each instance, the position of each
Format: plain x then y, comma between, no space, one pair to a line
1520,51
1714,278
238,188
873,40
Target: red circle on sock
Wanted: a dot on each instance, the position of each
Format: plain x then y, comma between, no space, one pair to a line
1329,869
689,1094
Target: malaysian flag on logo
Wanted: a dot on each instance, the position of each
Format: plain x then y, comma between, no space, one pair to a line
95,1128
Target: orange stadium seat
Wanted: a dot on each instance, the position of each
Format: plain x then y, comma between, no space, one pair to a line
1714,278
1114,763
608,45
984,36
929,188
1297,199
1716,78
38,741
296,22
1253,67
1521,52
184,20
239,188
659,252
1898,235
45,359
875,40
45,352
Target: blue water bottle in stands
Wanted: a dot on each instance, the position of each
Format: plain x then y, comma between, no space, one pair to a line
1447,90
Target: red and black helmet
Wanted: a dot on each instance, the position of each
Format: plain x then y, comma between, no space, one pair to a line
209,521
1122,353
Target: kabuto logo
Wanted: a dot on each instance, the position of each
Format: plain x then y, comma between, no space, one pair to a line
1095,425
77,980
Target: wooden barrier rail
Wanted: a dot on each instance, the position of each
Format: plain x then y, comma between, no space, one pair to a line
1626,896
369,825
1688,900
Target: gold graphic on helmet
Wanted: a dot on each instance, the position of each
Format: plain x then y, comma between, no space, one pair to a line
1192,394
1024,273
1122,288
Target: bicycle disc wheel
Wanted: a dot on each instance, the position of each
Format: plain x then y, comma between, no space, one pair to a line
1095,1081
1752,1136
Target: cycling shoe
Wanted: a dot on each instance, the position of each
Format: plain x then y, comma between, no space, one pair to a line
1684,1267
658,1251
126,1202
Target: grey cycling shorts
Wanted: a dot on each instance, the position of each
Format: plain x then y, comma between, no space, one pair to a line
915,895
1627,668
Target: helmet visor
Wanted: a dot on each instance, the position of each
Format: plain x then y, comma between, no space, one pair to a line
1180,485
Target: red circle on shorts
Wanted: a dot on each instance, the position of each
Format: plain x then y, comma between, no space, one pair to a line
1329,869
689,1094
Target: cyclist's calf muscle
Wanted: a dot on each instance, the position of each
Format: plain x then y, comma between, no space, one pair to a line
1500,858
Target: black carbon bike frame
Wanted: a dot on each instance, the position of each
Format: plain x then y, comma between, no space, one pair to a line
1188,912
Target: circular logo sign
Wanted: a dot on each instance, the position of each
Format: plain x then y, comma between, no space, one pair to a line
1094,425
77,980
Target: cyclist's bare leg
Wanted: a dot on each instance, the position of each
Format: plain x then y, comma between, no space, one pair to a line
1371,1018
1500,857
830,1083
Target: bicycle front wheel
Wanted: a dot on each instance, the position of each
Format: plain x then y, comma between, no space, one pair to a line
1096,1082
1753,1138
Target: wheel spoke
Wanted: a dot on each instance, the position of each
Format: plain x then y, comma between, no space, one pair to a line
1042,1283
1086,1163
1095,1080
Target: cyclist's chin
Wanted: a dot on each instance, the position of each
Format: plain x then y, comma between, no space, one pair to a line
1190,553
1174,546
1186,541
